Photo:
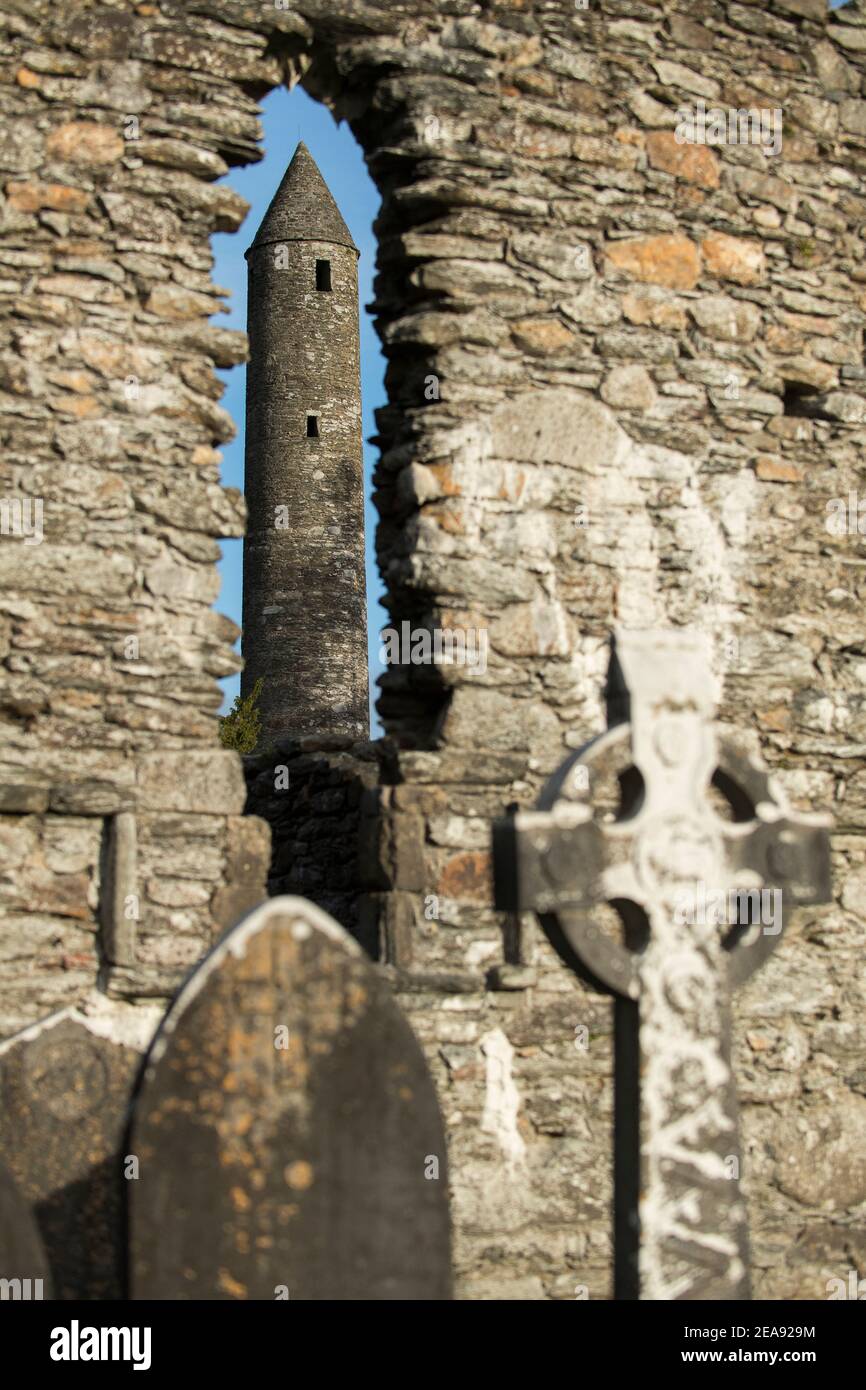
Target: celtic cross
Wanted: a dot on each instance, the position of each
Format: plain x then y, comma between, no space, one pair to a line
697,824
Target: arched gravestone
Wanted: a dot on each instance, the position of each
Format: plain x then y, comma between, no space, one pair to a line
287,1130
23,1266
64,1096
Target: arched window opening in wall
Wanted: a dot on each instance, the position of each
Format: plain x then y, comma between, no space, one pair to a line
290,119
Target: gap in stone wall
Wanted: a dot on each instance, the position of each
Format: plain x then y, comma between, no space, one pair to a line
287,117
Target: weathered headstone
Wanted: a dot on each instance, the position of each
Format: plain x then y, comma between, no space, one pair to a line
24,1271
287,1131
680,1222
64,1094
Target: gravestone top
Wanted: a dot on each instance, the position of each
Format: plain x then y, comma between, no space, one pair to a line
287,1119
657,852
64,1093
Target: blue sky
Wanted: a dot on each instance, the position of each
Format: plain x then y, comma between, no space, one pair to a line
287,118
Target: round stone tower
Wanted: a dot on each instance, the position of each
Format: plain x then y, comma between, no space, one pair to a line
304,602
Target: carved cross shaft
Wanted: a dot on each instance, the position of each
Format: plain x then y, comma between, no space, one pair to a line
701,898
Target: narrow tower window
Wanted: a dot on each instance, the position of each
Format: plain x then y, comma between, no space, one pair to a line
323,275
312,426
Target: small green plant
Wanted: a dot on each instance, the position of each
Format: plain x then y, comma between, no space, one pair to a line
241,728
806,248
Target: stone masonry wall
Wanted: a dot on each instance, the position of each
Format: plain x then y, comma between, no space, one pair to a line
649,361
651,367
124,852
311,793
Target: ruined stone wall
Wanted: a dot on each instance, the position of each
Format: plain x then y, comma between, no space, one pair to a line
648,383
313,793
124,852
651,366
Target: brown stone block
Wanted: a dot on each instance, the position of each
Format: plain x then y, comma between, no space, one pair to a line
30,197
672,261
778,719
642,308
772,469
695,163
78,407
687,34
85,142
780,339
172,302
542,337
467,876
63,895
734,258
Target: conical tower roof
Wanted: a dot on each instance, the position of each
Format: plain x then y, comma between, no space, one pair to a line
303,209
